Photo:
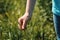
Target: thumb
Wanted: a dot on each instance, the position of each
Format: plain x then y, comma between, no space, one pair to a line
24,24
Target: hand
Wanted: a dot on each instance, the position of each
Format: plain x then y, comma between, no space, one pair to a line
23,21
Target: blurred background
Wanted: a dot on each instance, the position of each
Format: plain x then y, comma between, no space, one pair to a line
40,27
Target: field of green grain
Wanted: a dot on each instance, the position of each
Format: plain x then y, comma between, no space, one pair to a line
40,27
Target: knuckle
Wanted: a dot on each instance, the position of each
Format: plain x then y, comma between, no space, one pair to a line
19,20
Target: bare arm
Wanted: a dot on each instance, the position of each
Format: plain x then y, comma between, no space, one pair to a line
30,6
28,13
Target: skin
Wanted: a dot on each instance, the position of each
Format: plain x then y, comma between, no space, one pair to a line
27,15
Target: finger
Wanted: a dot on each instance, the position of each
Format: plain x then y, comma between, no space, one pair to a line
20,23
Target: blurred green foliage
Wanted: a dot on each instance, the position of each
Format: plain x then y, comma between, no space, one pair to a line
39,27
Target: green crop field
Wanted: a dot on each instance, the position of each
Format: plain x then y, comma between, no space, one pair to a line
40,27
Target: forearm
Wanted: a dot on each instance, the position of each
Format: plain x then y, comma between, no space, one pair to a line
30,6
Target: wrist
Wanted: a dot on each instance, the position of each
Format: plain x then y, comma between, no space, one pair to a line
28,14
